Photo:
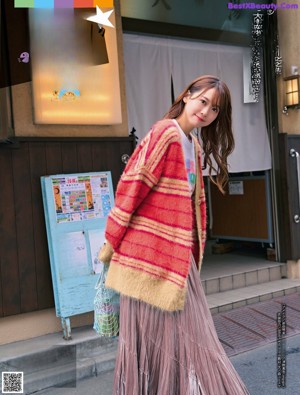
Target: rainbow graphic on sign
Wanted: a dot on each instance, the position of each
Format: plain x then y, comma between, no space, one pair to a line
63,3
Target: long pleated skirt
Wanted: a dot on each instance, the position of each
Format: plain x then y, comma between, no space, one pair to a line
173,353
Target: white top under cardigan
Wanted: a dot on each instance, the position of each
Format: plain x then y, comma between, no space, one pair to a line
188,147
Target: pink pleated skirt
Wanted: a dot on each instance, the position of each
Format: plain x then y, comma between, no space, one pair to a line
173,353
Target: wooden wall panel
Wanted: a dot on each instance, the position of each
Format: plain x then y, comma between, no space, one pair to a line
240,216
9,268
113,161
120,150
84,158
25,276
99,157
69,158
38,168
24,226
53,158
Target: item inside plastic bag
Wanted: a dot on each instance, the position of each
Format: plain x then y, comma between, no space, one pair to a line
106,308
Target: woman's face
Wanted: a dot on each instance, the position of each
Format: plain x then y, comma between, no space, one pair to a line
200,110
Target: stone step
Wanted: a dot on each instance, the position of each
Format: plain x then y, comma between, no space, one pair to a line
213,285
50,361
66,375
234,298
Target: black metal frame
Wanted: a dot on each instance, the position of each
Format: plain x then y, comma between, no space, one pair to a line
278,175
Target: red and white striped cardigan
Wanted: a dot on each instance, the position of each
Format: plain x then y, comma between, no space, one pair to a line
150,226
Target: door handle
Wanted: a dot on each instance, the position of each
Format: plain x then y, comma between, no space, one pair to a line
295,154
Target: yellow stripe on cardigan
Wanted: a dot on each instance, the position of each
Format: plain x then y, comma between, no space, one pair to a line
142,175
160,148
156,271
184,241
142,154
171,191
199,191
174,184
139,220
121,217
179,240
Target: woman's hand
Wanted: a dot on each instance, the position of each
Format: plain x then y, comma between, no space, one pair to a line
106,252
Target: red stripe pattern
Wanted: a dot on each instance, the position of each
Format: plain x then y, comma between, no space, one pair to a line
150,227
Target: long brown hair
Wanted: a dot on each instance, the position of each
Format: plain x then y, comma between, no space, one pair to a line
217,137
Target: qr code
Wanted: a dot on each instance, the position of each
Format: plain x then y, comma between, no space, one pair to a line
12,382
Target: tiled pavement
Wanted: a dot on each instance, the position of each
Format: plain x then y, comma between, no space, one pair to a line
252,326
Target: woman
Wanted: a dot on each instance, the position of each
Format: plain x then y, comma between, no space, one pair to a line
155,241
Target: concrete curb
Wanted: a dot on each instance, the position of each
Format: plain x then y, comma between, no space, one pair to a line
63,364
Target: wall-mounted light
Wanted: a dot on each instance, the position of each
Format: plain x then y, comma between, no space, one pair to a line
291,93
73,82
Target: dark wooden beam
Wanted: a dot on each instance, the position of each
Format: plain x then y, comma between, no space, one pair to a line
132,25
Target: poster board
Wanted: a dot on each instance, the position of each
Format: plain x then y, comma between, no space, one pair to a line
76,207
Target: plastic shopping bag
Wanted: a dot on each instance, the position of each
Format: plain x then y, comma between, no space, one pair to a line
106,308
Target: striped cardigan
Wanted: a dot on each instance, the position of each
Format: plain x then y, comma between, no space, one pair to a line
150,226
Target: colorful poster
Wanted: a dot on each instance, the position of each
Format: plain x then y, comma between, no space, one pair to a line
81,197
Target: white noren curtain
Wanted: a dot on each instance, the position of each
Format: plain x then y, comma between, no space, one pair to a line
151,61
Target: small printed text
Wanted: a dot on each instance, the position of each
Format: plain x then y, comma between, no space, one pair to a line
263,6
